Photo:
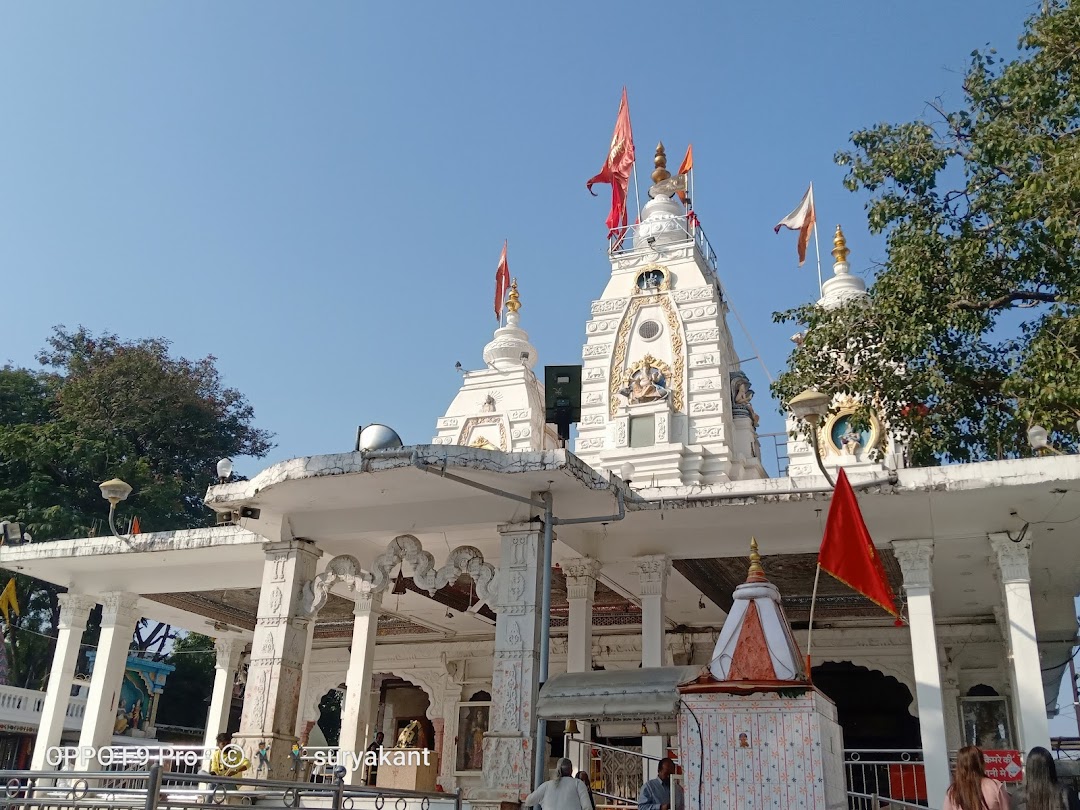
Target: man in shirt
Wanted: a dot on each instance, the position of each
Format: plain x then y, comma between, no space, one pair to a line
564,792
659,793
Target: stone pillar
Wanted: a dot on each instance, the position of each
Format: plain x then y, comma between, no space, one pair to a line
228,659
119,615
653,575
580,593
508,744
272,696
303,725
914,557
951,696
354,714
1021,643
74,610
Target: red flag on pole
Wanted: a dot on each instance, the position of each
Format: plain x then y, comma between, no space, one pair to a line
686,167
502,283
847,552
135,527
617,168
802,220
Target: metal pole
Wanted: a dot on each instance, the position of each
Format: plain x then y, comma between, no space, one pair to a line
153,786
545,640
1076,696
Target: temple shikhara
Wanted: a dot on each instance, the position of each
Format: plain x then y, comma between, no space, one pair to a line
509,592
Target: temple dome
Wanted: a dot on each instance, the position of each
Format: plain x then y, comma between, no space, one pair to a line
510,347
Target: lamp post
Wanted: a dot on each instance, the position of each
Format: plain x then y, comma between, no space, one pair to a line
224,470
1039,439
115,491
811,406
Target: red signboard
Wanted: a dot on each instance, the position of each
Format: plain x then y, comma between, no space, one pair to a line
1004,766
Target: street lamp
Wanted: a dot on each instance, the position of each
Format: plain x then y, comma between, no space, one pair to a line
1038,438
811,406
115,491
224,470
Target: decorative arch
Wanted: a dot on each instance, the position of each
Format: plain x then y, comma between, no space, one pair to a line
462,560
344,568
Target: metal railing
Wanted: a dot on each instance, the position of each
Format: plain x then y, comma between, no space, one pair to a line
877,802
622,240
149,790
892,775
615,773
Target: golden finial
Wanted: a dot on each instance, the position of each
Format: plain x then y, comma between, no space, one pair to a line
757,573
840,249
660,160
514,303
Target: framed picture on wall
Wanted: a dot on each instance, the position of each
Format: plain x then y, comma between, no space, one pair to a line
472,723
987,723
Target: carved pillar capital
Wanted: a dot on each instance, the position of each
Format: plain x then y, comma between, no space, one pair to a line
119,608
228,652
653,573
915,558
581,576
1012,558
368,602
75,610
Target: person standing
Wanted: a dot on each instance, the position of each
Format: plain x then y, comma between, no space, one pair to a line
584,777
562,792
658,793
971,788
373,769
1041,789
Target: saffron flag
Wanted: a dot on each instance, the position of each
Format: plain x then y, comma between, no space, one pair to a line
8,601
135,527
502,283
617,168
685,167
802,219
847,552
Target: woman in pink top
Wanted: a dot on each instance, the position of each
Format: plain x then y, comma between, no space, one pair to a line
972,789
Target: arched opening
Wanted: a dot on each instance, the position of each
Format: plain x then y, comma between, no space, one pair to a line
401,703
871,707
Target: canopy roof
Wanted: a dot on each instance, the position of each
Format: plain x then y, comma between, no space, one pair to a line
619,695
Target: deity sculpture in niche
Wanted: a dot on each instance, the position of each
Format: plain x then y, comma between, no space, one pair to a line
409,735
645,382
741,394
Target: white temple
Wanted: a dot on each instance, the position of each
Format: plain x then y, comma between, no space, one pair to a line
415,575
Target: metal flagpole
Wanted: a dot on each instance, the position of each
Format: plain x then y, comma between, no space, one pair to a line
810,629
637,193
817,246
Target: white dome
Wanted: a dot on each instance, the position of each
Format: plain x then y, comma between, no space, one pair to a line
663,221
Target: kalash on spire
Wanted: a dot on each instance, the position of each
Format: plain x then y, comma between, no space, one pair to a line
664,401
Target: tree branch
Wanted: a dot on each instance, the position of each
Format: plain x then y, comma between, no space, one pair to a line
1005,300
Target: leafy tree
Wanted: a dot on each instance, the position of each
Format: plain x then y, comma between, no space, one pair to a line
101,407
970,334
189,686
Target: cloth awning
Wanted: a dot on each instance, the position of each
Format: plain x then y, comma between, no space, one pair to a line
618,695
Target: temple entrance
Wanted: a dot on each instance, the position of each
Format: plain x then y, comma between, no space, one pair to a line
872,708
401,703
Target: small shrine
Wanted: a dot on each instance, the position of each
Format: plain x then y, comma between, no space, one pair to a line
753,730
136,709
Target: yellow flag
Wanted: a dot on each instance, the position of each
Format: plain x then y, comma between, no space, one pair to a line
8,601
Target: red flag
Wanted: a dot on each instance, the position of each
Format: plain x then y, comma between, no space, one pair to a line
617,168
135,527
686,167
502,283
802,219
848,553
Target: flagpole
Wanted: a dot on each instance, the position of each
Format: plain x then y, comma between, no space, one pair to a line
817,246
810,628
637,194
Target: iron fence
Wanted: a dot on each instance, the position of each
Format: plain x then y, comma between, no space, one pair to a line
151,790
889,775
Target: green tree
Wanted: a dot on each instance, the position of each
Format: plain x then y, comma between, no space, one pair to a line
970,334
190,685
101,407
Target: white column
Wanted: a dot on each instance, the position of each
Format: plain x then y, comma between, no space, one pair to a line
580,594
1012,562
653,575
74,610
915,558
228,652
354,714
119,616
305,686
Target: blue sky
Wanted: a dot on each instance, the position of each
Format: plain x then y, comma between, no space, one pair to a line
317,193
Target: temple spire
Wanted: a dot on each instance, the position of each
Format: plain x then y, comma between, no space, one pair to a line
756,573
513,304
840,249
660,161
